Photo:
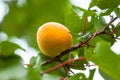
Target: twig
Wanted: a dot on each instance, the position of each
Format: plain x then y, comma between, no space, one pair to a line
79,44
63,64
106,26
62,54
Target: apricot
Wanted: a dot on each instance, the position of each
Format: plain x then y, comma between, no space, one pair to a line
53,38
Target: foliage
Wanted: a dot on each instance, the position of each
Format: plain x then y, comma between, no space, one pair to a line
23,21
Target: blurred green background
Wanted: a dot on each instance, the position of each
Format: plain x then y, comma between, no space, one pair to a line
26,16
22,19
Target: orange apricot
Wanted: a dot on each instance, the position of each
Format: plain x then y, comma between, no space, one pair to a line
53,38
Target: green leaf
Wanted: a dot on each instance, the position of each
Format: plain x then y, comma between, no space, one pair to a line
36,63
88,13
58,72
8,48
117,11
32,74
82,12
105,76
89,51
104,4
118,31
11,68
99,22
33,61
107,38
92,3
50,77
44,57
107,60
78,76
92,72
81,16
79,65
73,22
105,12
81,76
85,37
66,57
80,51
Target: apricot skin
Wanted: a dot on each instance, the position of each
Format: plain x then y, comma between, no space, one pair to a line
53,38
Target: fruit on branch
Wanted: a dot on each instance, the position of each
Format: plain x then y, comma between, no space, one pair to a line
53,38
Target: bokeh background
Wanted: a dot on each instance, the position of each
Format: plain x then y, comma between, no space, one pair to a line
20,19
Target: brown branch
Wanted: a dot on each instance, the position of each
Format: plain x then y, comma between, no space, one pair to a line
106,26
79,44
63,64
62,54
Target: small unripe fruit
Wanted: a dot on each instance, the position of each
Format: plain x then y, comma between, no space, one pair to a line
53,38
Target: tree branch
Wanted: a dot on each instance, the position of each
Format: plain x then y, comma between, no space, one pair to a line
79,44
62,64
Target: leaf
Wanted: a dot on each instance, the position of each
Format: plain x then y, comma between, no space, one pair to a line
89,51
66,57
58,72
92,3
118,31
78,76
32,75
88,13
74,23
44,57
105,12
105,76
33,61
92,72
50,77
8,48
76,19
81,76
80,51
117,11
79,65
99,22
36,63
107,38
11,68
85,37
104,4
107,60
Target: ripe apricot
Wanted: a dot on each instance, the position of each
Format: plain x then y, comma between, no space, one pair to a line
53,38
